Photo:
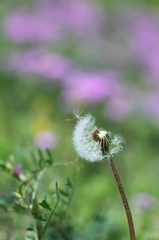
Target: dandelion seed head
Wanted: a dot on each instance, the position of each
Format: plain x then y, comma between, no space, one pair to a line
118,139
77,113
102,134
93,144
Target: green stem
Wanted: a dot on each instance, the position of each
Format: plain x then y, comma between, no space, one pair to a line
48,221
124,199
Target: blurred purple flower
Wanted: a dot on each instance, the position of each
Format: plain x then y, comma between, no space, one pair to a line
152,104
144,200
23,27
40,62
85,17
51,21
17,170
45,139
118,108
145,29
92,87
79,17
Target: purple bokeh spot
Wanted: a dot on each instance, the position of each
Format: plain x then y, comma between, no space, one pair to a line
91,87
144,200
152,104
145,29
118,108
17,170
23,27
52,21
45,139
42,63
84,17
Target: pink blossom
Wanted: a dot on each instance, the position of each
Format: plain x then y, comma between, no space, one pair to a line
145,29
43,63
144,200
23,27
85,17
17,170
91,87
45,139
51,21
118,108
152,104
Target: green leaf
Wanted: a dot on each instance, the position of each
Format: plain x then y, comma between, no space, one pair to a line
63,193
41,162
45,205
48,162
20,189
40,153
17,195
30,229
20,209
38,216
33,157
2,164
41,159
49,154
68,183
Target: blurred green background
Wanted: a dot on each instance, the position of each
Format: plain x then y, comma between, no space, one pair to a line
101,57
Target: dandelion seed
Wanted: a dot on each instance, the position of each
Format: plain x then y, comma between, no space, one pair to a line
94,144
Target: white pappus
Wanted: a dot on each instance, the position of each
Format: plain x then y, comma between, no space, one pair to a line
94,144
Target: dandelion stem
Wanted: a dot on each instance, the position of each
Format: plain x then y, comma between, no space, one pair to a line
124,199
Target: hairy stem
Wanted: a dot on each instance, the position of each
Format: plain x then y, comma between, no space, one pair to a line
124,199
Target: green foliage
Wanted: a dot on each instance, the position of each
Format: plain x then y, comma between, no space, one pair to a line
30,229
42,199
99,228
45,205
25,199
38,217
